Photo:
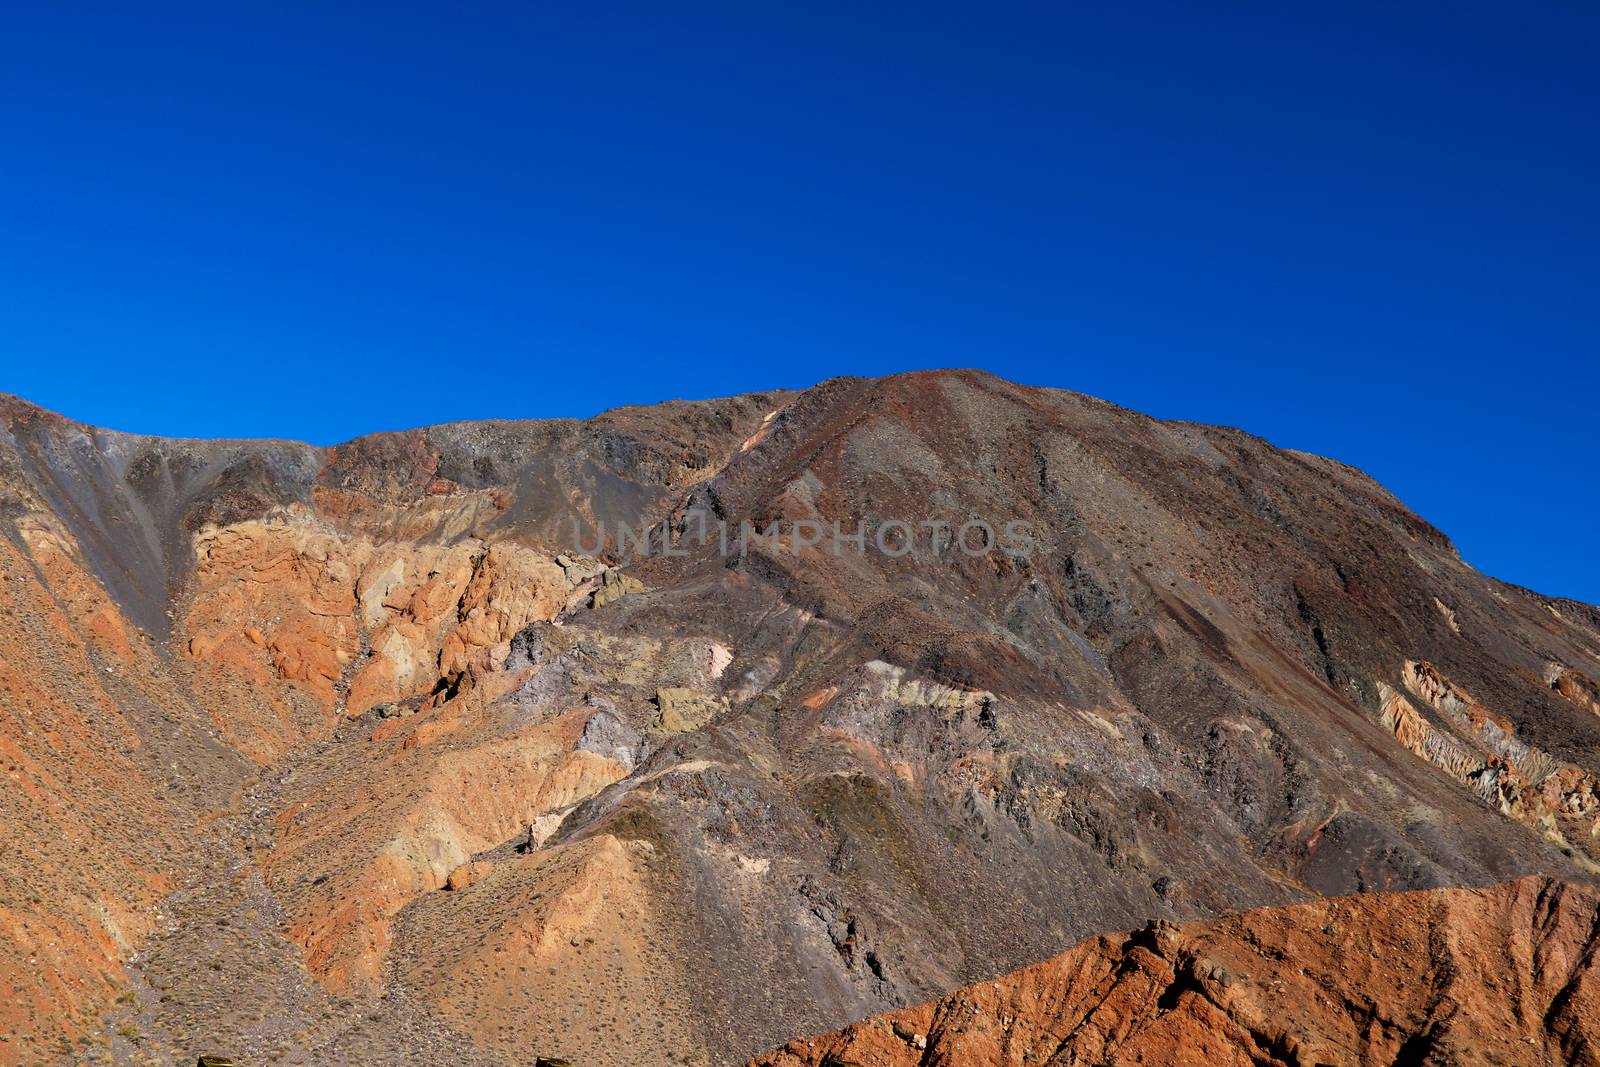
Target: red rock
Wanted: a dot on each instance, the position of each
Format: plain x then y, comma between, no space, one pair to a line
1500,975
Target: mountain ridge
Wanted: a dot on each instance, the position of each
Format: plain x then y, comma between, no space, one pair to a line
1463,976
396,740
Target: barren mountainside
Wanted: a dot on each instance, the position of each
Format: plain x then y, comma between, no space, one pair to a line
402,751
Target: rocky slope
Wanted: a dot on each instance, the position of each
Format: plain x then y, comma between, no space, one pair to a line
1501,975
391,735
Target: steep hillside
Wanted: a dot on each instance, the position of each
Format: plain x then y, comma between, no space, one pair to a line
411,736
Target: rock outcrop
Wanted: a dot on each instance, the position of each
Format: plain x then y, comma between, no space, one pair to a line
1501,975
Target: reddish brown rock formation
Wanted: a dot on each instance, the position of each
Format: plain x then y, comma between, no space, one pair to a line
1503,975
1574,686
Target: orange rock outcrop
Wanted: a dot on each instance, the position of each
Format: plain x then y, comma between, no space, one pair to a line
1502,975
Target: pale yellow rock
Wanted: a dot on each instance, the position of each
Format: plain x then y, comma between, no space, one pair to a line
682,710
614,585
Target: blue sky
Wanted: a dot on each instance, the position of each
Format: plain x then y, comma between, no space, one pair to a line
1361,231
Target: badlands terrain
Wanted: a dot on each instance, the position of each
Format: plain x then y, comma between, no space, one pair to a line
396,752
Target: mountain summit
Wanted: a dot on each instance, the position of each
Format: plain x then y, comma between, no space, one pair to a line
676,733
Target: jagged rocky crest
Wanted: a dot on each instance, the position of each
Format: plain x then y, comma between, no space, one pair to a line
350,755
1440,976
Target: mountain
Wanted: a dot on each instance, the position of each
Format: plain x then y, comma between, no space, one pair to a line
414,749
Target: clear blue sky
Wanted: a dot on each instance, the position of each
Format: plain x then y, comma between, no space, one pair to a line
1357,230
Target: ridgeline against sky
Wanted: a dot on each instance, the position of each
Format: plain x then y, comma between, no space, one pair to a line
1366,234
